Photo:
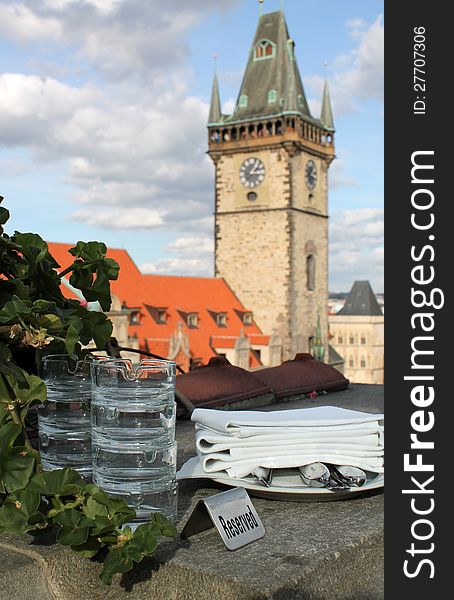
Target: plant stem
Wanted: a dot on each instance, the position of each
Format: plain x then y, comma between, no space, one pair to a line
66,271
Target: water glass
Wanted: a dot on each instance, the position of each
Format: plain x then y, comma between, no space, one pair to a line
133,415
64,429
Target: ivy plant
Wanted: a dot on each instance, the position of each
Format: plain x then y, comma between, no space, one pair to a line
36,317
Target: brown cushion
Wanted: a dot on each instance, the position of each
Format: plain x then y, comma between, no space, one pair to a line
302,375
219,383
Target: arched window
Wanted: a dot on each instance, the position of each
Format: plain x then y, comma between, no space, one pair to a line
272,96
264,49
310,272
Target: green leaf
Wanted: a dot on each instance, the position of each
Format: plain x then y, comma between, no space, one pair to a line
17,515
93,509
9,367
88,250
166,527
16,462
52,323
34,388
75,527
16,467
15,309
90,548
4,216
61,482
116,562
102,330
72,337
143,542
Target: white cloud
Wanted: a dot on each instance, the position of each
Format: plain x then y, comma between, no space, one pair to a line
19,22
122,218
338,177
192,255
357,75
122,39
356,248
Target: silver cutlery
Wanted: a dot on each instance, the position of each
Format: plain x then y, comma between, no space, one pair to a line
263,475
318,475
352,476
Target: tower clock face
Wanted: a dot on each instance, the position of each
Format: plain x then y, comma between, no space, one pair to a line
311,174
252,172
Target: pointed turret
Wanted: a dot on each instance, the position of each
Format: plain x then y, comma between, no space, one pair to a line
318,349
215,115
272,82
326,116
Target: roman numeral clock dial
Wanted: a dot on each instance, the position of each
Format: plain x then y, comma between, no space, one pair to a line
252,172
311,174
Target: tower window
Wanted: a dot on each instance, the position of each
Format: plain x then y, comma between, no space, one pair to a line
252,196
264,49
272,96
243,101
300,100
310,272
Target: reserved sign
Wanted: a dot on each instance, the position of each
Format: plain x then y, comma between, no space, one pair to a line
233,515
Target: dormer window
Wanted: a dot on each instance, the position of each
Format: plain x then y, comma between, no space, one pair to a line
264,49
134,318
243,101
161,315
247,318
192,320
221,319
272,97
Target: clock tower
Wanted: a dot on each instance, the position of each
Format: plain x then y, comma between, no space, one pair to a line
271,160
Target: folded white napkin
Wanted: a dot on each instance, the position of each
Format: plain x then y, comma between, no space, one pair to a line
208,441
320,416
237,442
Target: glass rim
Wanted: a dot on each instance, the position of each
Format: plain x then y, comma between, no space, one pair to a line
102,361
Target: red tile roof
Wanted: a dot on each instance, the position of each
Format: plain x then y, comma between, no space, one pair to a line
202,295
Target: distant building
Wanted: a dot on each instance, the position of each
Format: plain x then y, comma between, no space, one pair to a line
357,334
186,319
271,160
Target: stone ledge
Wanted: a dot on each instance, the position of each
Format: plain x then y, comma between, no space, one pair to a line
311,551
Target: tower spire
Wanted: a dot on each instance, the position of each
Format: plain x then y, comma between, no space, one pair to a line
326,116
318,349
215,106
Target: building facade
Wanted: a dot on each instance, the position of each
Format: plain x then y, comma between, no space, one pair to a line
271,160
357,334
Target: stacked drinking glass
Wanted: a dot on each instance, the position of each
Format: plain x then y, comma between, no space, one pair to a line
133,415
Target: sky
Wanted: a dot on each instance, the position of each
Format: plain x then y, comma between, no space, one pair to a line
103,112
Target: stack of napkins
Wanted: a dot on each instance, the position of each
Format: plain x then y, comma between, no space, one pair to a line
238,442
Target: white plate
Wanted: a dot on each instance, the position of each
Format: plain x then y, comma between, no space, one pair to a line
287,485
